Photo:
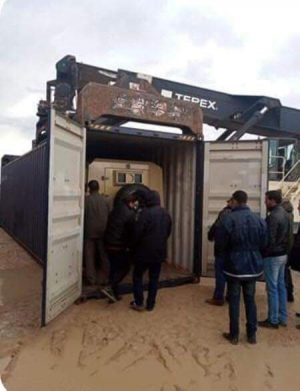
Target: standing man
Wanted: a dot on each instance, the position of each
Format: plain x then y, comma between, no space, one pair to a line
95,220
220,281
117,243
240,239
149,247
275,261
288,207
294,257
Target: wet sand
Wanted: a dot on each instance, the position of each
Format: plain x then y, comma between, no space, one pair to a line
177,347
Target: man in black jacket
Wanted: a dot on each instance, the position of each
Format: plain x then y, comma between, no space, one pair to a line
117,242
288,207
275,259
220,281
294,257
149,247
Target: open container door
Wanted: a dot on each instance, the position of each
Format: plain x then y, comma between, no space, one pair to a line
229,167
63,269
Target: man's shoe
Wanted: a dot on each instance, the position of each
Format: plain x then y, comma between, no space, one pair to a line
216,302
136,307
251,339
231,339
108,292
267,324
282,324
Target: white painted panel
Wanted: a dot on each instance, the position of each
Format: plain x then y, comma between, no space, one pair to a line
65,216
229,167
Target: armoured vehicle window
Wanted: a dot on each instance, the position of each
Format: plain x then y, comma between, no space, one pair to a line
121,177
138,178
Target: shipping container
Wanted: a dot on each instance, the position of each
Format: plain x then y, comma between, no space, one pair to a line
24,200
198,178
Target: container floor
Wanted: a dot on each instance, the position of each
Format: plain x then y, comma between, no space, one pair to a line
170,276
168,272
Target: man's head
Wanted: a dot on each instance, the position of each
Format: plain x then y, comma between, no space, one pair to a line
93,186
141,195
131,201
239,198
287,205
273,198
229,203
153,198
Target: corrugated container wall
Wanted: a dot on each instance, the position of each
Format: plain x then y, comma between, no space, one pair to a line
24,198
179,164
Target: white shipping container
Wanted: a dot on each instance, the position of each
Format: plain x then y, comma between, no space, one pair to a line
198,178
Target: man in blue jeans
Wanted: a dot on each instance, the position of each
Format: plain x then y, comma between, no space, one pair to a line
275,259
240,239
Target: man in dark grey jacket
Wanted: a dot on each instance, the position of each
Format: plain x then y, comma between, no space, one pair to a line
275,259
95,220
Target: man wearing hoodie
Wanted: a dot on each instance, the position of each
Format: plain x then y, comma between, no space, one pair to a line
117,243
149,248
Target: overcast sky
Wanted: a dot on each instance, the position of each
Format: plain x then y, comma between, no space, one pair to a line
233,46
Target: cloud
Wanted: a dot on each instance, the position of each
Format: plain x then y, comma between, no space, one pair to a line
114,35
236,48
1,5
286,63
23,107
283,71
13,141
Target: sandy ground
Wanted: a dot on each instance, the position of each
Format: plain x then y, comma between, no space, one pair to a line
97,346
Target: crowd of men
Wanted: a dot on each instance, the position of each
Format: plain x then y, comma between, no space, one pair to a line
134,232
247,248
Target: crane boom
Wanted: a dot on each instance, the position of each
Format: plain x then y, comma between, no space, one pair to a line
237,114
221,110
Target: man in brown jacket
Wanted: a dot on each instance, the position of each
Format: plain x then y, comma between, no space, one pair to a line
95,220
